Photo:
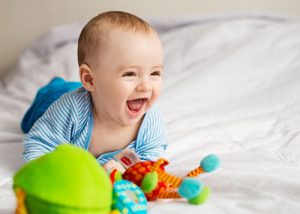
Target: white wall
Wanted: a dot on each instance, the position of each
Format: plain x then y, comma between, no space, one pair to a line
22,21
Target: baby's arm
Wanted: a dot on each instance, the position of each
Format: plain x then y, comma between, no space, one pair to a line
54,127
112,164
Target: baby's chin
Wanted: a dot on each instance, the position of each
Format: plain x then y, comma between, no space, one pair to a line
130,122
133,121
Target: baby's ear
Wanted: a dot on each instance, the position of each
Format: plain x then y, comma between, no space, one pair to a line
87,77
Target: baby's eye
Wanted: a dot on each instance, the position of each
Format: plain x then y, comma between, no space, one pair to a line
129,74
156,73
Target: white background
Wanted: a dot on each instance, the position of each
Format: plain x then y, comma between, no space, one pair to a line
22,21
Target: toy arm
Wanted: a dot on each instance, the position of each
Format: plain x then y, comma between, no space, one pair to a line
208,164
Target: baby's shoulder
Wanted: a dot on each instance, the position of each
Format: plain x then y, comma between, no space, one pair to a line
152,119
153,114
152,127
79,96
76,103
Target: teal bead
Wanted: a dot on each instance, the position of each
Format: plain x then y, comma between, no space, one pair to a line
190,188
210,163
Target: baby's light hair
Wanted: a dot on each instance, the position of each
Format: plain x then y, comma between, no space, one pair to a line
92,33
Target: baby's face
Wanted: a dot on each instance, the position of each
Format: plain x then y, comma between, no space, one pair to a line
128,77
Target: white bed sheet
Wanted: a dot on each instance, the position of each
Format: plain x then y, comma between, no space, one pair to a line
231,88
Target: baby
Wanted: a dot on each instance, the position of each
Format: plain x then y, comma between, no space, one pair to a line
120,59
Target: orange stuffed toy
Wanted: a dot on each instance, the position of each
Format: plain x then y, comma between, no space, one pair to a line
157,183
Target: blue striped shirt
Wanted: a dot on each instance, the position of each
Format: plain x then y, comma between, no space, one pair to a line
70,120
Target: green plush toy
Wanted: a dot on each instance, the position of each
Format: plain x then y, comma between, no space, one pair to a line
68,181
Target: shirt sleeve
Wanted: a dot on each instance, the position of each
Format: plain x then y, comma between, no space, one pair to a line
151,140
56,126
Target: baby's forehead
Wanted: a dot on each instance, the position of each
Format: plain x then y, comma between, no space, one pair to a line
116,42
120,36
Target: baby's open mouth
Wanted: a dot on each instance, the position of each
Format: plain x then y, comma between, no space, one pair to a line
136,105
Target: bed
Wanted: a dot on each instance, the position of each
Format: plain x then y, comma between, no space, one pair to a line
231,87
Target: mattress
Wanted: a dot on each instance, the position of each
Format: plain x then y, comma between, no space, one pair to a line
231,88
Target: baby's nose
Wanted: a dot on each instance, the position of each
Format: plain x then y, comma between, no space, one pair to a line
144,86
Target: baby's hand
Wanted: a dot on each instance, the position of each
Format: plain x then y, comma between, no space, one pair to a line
112,164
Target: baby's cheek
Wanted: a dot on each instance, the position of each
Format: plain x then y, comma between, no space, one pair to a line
151,102
155,95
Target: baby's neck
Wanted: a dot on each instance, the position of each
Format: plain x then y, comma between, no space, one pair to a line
110,136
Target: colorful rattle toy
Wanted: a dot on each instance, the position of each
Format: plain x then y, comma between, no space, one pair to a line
69,180
157,183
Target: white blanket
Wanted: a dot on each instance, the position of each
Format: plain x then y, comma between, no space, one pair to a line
231,87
